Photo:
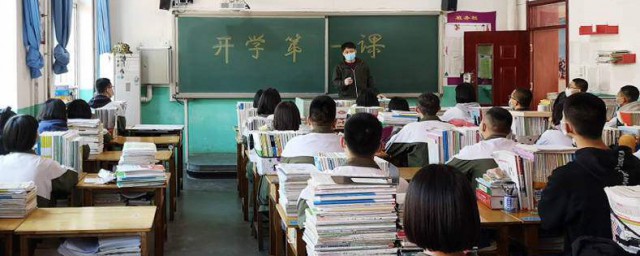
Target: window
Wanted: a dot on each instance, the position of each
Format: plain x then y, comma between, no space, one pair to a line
69,79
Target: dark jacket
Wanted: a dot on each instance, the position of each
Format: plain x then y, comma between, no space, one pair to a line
54,125
362,79
596,246
574,200
99,101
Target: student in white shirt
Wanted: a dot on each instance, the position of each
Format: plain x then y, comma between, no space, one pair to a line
409,147
555,137
22,165
322,120
476,159
627,100
465,99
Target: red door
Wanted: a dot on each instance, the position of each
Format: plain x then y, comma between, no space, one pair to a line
498,62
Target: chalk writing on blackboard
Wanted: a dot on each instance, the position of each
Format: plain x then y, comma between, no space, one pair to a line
371,44
224,43
294,46
256,44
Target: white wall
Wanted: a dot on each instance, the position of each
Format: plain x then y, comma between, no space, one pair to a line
9,70
583,49
86,46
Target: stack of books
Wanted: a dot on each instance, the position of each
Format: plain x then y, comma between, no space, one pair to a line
91,131
63,147
17,200
625,216
255,123
244,111
272,143
529,125
405,246
629,118
108,199
342,111
490,193
128,245
445,143
371,110
292,180
303,105
350,218
140,175
138,153
326,161
610,136
398,118
529,167
138,199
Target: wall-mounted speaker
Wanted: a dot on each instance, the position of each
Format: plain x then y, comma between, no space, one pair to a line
165,4
449,5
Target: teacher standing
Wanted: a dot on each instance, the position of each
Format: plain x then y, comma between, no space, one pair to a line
352,76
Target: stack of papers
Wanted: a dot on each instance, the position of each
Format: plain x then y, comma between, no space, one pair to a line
128,245
625,216
138,153
398,118
91,131
351,218
17,200
79,247
63,147
140,175
292,180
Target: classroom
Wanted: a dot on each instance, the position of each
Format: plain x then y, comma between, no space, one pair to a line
320,127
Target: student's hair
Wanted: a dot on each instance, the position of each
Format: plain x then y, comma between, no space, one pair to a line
78,109
557,111
20,133
102,84
256,98
582,84
362,133
523,96
349,45
429,104
322,111
465,93
367,98
269,99
5,115
53,109
587,113
630,92
398,103
286,117
499,120
441,213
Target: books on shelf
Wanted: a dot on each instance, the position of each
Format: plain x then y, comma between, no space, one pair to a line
17,200
445,143
611,135
350,219
140,175
625,216
64,147
398,118
292,180
138,153
326,161
271,144
91,131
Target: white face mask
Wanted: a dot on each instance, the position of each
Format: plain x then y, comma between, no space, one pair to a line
570,91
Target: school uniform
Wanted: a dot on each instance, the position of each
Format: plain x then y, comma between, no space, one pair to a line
302,149
409,148
359,72
574,200
475,160
554,137
631,106
49,177
99,101
54,125
461,111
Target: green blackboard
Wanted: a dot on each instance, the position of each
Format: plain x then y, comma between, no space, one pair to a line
242,55
402,51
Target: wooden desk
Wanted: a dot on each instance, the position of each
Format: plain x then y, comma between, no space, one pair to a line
407,173
163,156
245,184
277,217
530,232
499,220
7,227
87,222
89,189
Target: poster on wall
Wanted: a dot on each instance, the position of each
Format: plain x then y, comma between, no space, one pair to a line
456,24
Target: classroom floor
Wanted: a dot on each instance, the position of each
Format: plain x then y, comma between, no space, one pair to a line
209,221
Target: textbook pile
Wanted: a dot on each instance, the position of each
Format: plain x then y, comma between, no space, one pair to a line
63,147
629,118
342,110
272,143
326,161
255,123
529,125
625,216
610,136
371,110
17,200
108,199
406,247
398,118
101,246
445,143
91,131
292,179
244,110
138,153
350,218
140,175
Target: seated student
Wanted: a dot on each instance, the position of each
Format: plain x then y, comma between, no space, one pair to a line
256,98
409,147
465,99
367,98
476,159
627,100
104,92
5,114
555,136
576,85
574,200
269,99
441,214
398,103
520,99
286,117
53,116
79,109
22,165
322,120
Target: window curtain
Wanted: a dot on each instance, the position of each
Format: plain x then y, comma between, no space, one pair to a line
104,29
62,25
31,36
